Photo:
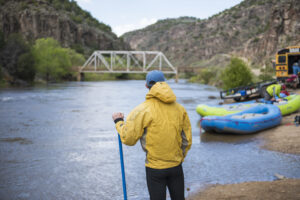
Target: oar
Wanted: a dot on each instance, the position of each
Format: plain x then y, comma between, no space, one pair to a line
122,168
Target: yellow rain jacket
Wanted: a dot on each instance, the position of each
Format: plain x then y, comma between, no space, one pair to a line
274,89
163,127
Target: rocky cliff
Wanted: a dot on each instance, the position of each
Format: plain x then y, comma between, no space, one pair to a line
254,30
63,20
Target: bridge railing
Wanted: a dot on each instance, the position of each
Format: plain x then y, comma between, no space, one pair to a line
127,62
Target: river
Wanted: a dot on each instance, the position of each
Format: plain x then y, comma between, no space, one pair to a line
59,142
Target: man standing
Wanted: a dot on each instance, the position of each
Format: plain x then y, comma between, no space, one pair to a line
296,68
164,130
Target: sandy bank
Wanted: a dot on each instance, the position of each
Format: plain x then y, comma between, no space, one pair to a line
267,190
284,138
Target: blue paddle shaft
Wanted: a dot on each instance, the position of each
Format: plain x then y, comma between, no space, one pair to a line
122,168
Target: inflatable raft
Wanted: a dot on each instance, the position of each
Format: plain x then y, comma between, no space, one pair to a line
289,105
248,121
222,110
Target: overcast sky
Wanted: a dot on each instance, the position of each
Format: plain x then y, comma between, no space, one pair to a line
128,15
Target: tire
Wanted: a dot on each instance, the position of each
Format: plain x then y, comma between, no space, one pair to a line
237,99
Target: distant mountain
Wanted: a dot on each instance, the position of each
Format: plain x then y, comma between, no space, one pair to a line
63,20
254,30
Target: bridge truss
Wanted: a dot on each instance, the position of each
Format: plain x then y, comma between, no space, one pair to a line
127,62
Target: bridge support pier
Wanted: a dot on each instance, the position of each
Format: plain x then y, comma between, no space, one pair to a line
80,76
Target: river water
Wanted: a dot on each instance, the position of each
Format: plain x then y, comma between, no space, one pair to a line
59,142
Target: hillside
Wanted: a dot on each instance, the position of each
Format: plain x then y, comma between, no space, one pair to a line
63,20
253,30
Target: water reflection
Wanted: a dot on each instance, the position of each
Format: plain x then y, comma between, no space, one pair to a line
227,138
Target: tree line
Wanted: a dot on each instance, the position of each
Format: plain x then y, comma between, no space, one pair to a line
237,73
43,60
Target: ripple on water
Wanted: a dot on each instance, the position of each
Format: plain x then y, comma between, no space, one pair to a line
19,140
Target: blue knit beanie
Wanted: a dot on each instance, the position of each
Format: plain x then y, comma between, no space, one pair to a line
153,77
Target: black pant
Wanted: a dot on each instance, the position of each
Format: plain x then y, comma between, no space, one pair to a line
267,97
159,179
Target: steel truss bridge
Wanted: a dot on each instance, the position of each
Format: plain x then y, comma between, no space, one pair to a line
127,62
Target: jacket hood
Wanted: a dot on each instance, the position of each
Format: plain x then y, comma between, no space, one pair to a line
163,92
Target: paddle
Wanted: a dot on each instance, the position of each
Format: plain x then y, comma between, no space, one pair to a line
122,168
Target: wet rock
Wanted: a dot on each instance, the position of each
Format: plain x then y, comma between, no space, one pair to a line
212,97
19,140
279,176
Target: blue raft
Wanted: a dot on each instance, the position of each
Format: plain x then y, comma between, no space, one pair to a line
248,121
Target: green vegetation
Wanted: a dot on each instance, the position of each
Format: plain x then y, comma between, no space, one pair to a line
255,2
99,77
236,74
46,60
16,59
206,76
103,77
54,62
77,14
2,2
1,77
267,73
2,43
78,48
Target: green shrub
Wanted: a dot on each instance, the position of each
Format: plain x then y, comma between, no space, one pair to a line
236,74
26,70
2,2
78,48
77,18
267,73
99,77
17,59
136,76
75,58
204,76
54,62
1,75
2,41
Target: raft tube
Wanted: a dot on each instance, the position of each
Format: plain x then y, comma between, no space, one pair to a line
249,121
289,105
222,110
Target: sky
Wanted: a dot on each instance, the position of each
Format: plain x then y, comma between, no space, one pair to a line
128,15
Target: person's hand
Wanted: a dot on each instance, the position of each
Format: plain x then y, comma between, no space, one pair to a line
117,115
